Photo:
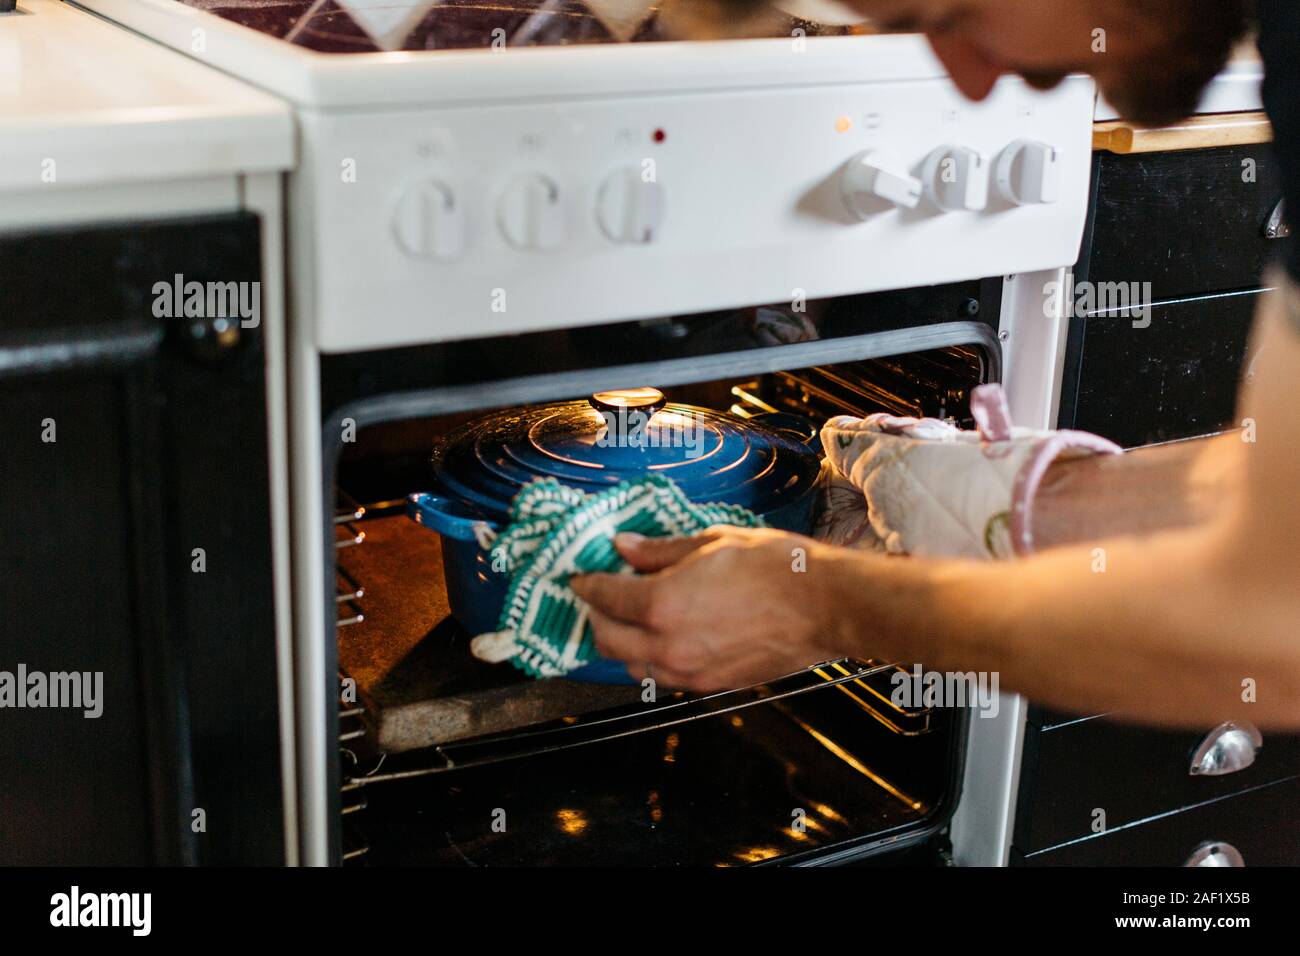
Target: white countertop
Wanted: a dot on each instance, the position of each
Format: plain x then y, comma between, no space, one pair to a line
87,102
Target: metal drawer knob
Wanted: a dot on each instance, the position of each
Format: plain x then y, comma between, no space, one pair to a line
1215,853
1277,227
1229,747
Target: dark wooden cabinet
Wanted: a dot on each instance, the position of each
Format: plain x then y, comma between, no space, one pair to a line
1093,771
1176,378
1184,235
129,441
1191,222
1261,824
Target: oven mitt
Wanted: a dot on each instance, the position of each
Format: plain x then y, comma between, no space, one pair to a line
933,490
841,517
556,532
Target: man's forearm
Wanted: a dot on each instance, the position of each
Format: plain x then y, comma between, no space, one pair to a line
1180,485
1186,627
1097,615
1164,631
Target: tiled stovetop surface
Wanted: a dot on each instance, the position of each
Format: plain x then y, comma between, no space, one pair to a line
367,26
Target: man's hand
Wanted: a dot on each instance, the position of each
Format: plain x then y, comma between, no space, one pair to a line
726,608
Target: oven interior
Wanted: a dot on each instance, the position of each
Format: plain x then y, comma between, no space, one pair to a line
445,760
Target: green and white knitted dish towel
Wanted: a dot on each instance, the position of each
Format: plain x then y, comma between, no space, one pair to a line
556,532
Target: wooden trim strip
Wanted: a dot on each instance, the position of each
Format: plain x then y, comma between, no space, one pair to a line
1200,132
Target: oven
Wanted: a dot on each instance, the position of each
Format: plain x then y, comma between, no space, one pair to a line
497,208
442,759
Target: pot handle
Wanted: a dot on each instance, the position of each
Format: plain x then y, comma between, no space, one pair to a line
438,513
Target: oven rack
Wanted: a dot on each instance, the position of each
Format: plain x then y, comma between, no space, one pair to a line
872,385
351,728
604,726
904,721
347,534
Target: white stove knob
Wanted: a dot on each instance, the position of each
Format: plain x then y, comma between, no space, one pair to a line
428,221
531,213
630,209
1028,172
956,179
873,181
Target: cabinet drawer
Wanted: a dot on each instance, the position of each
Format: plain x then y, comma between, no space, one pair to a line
1131,773
1261,824
1188,222
1175,378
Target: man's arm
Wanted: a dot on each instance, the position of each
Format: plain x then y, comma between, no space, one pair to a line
1179,485
1176,629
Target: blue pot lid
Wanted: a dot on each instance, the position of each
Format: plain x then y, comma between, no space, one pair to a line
615,437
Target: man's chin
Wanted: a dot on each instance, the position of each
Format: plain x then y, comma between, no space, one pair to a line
1043,81
1156,101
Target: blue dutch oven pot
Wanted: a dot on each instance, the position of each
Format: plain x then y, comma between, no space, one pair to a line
766,464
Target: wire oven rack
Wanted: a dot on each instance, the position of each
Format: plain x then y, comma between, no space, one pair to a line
678,708
935,384
352,727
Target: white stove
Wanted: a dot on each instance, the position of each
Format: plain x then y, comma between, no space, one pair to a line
471,170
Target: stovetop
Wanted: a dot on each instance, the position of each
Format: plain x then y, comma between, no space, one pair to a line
369,26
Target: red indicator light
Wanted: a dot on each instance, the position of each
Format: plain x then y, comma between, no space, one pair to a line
660,136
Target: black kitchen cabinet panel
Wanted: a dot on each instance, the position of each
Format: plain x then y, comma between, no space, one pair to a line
1188,222
1185,233
127,441
72,787
1192,226
1131,773
1263,825
1176,378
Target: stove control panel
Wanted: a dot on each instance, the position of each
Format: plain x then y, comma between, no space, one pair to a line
470,221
